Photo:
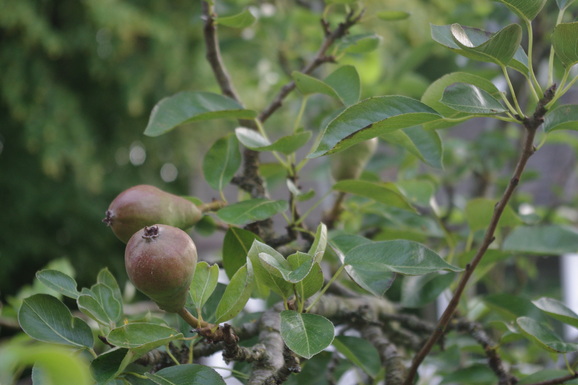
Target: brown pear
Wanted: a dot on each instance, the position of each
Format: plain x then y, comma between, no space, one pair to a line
349,163
160,261
145,205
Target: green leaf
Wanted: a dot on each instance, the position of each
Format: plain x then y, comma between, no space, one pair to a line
434,93
291,272
285,145
241,20
564,117
188,374
545,375
110,364
190,106
386,193
222,162
563,4
512,306
309,85
425,143
359,351
370,118
393,15
251,210
141,337
479,211
526,9
361,43
312,283
266,279
306,334
547,239
236,246
100,304
317,249
472,375
544,336
299,195
417,191
565,43
59,282
557,310
346,83
204,283
418,291
470,99
45,318
485,46
399,256
237,293
105,277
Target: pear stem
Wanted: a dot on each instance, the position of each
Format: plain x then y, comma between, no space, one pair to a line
192,320
212,206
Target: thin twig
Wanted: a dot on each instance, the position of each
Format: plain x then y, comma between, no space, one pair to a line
556,381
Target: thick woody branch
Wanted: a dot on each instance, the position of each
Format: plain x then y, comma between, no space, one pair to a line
388,353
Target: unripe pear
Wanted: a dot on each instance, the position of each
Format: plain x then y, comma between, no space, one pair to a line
160,261
145,205
349,163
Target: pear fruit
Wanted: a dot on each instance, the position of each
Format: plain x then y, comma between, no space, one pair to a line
349,163
160,261
145,205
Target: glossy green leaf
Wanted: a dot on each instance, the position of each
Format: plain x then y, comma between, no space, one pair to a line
190,106
59,282
110,364
141,337
470,99
370,118
237,294
346,242
418,291
362,43
306,334
563,4
100,304
317,249
291,272
479,211
346,83
544,336
557,310
545,375
386,193
484,46
266,279
565,43
105,277
242,19
564,117
359,351
311,284
547,239
188,374
399,256
425,143
285,145
251,210
434,93
393,15
527,9
236,246
222,162
204,283
45,318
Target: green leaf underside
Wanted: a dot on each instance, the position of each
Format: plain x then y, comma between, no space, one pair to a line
360,352
565,43
222,162
204,283
564,117
544,336
528,9
58,281
293,273
386,193
470,99
418,291
306,334
479,211
319,245
285,145
45,318
141,337
422,142
188,374
486,47
370,118
236,294
265,279
547,239
557,310
236,246
243,19
251,210
190,106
